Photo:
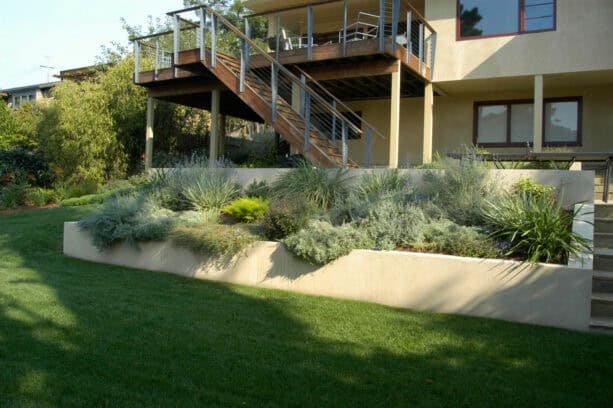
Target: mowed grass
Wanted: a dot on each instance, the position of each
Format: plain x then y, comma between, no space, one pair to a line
77,333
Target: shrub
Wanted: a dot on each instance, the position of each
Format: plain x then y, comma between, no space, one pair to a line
446,237
29,165
196,218
258,189
535,227
39,197
98,198
531,187
285,217
13,195
321,242
391,224
85,186
384,182
318,185
128,218
247,209
213,239
208,190
460,189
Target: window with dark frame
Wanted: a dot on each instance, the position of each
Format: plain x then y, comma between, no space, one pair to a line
490,18
510,123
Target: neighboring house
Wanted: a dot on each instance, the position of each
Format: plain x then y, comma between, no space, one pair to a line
31,93
408,78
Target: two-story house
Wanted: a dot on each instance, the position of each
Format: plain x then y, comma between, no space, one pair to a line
390,82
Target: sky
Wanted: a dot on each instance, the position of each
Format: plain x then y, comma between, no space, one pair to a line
64,34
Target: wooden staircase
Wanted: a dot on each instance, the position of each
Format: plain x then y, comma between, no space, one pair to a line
602,280
289,124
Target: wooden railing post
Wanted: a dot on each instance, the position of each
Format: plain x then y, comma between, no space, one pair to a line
344,39
309,33
203,34
136,61
395,17
213,40
421,46
175,42
381,25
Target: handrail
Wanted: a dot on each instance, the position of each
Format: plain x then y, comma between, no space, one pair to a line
290,8
339,102
279,66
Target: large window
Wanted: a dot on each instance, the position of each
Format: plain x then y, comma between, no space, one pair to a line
487,18
511,123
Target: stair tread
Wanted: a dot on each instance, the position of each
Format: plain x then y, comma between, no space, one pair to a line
603,251
603,275
598,321
604,234
602,297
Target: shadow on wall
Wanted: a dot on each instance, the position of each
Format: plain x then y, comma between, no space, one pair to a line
79,333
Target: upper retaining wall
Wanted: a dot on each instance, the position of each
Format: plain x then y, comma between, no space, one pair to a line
550,295
575,186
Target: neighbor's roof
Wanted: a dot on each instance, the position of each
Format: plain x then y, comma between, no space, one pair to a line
45,85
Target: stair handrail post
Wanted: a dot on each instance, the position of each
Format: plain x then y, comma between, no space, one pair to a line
136,61
409,34
213,40
344,39
395,17
278,38
421,46
368,147
176,36
381,25
309,33
157,58
203,34
334,123
307,117
344,148
274,83
244,57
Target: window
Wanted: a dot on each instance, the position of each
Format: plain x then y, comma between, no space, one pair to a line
511,123
488,18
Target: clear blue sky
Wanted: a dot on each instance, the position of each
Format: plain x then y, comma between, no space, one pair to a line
69,32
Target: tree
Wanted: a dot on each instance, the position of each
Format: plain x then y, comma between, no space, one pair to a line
27,118
468,22
7,127
78,135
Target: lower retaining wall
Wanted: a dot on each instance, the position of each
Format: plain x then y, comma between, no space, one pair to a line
548,295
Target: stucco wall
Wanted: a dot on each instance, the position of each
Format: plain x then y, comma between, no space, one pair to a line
539,294
580,43
453,122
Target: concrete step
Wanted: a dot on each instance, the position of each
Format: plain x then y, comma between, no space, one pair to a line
603,210
601,323
603,239
602,282
602,224
603,259
602,304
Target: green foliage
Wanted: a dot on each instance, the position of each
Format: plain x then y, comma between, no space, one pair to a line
97,198
39,197
8,128
20,165
460,189
13,195
535,227
206,190
213,239
247,209
318,185
392,224
286,216
78,135
446,237
258,189
128,218
384,182
532,188
321,242
27,118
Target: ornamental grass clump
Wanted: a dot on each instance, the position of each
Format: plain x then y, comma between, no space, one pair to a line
213,239
247,209
320,186
536,228
206,190
447,237
391,181
322,242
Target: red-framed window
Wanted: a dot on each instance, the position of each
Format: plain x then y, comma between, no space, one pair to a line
493,18
510,123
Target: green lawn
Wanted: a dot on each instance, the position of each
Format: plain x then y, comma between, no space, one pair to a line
77,333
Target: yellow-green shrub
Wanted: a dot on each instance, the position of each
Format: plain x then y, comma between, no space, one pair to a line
247,209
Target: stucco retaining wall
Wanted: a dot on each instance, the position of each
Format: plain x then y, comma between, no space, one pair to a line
540,294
